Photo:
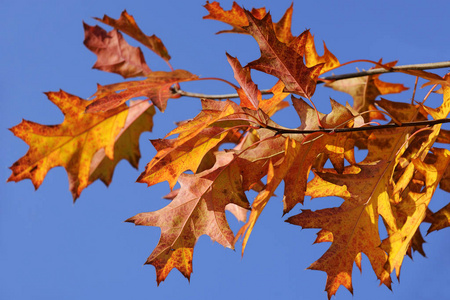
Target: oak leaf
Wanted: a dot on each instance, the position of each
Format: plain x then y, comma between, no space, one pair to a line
249,93
441,219
354,225
127,24
139,119
71,144
156,86
312,58
238,20
331,146
175,157
114,54
280,60
271,105
198,209
411,211
365,90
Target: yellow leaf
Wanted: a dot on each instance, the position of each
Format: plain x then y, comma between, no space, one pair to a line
71,144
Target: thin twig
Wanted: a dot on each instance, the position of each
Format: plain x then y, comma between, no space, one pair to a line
378,127
205,96
428,66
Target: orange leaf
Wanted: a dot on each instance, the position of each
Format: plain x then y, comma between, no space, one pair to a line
312,58
114,54
354,225
139,119
275,103
235,16
198,209
156,87
249,93
331,145
127,24
441,219
280,60
365,90
71,144
413,207
175,157
237,19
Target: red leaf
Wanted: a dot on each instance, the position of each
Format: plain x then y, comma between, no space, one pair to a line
127,24
156,87
114,54
198,209
249,93
280,60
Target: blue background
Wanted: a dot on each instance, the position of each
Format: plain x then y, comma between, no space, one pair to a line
53,249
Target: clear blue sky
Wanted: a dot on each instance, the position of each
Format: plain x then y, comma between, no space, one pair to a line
53,249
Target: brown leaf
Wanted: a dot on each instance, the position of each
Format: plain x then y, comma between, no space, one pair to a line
198,209
156,87
249,93
114,54
354,224
411,211
275,103
441,219
175,157
365,90
312,59
280,60
234,17
127,24
71,144
139,119
238,20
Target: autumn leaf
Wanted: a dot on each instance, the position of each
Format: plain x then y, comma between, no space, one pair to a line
237,19
365,90
441,219
156,87
274,177
175,157
127,24
354,225
271,105
139,119
114,54
280,60
198,209
249,93
235,16
312,59
331,145
71,144
411,211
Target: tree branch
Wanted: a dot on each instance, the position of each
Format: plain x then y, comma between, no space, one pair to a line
427,66
378,127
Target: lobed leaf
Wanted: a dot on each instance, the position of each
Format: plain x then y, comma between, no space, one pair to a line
72,144
114,54
198,209
127,24
280,60
156,87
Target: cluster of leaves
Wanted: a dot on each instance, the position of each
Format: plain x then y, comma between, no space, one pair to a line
396,180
